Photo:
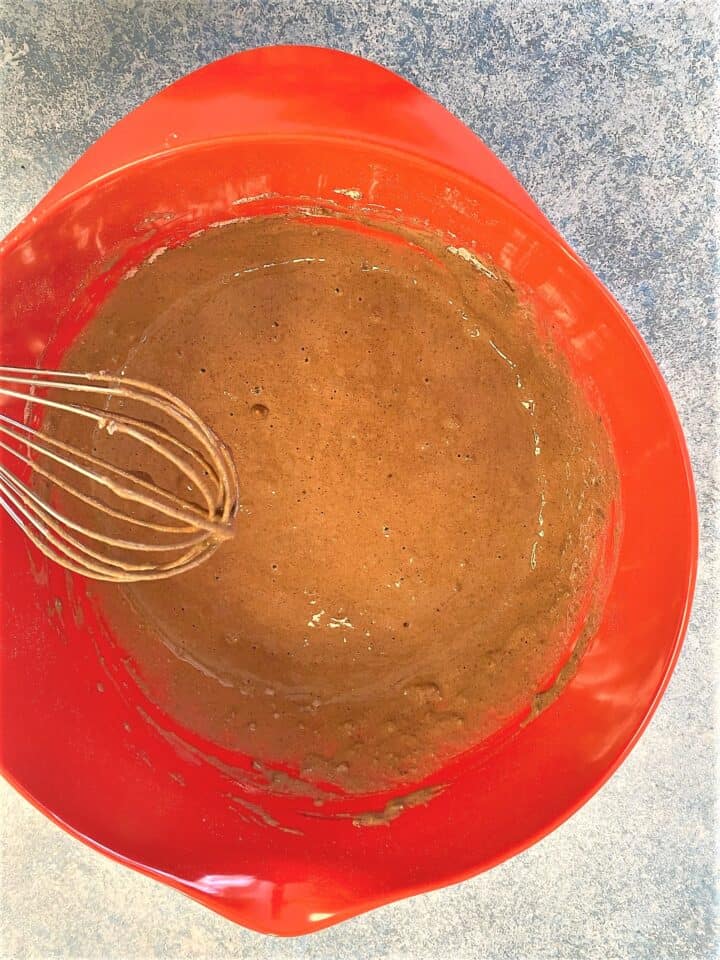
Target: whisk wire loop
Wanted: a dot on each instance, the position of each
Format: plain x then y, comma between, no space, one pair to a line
181,532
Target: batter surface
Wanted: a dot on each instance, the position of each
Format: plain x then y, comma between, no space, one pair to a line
422,496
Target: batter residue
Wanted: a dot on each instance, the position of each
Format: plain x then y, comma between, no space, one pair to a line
422,495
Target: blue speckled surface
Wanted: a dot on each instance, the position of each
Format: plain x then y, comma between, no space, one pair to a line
606,112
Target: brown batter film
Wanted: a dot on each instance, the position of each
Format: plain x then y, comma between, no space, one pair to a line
422,496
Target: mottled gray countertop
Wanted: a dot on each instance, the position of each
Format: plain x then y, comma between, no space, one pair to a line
606,113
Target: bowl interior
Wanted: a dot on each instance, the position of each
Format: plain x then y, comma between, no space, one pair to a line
77,737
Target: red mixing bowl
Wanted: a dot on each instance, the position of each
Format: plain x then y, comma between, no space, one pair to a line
249,134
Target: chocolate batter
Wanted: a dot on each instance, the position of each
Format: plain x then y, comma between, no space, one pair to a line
422,496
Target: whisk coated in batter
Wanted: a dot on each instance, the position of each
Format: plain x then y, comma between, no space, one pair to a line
91,513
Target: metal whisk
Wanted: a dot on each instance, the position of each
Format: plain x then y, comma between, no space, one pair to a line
103,519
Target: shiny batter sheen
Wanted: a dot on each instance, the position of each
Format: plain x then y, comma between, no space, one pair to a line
422,496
